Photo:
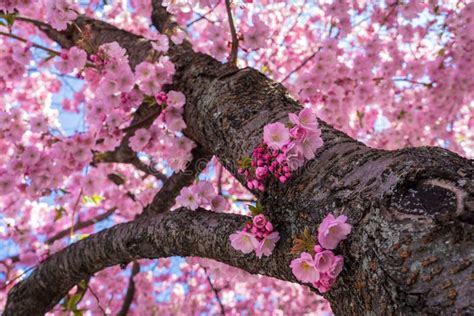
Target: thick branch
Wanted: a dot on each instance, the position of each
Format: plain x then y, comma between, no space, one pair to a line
180,233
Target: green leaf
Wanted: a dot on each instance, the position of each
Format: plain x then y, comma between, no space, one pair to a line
59,213
307,233
149,100
10,18
245,162
78,312
94,199
257,209
82,285
72,302
83,236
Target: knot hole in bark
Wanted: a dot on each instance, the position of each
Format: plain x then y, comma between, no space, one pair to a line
439,199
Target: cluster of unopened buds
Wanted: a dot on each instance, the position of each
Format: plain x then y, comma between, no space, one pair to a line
319,265
266,162
283,150
258,236
161,98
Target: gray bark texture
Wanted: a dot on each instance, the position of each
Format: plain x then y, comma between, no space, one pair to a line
411,249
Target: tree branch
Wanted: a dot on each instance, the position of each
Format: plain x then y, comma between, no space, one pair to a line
235,41
162,19
165,198
216,292
180,233
80,225
128,300
21,39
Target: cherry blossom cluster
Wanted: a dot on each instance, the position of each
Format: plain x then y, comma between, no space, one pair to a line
60,13
201,194
258,235
284,149
320,266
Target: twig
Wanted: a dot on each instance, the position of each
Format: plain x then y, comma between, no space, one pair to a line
426,84
216,292
235,41
220,172
204,16
74,211
305,61
21,39
128,300
80,225
97,299
148,169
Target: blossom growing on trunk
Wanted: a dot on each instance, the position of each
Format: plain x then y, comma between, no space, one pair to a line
267,244
276,135
243,241
332,230
304,269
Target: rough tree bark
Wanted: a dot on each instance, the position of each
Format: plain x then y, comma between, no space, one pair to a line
411,249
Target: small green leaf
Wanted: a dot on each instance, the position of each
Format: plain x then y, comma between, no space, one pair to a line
94,199
82,285
257,209
97,199
59,213
149,100
10,18
245,162
306,233
78,312
72,302
83,236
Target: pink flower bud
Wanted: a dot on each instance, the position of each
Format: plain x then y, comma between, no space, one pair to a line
259,221
318,248
269,226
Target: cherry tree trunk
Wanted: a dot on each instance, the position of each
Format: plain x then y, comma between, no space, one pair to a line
411,249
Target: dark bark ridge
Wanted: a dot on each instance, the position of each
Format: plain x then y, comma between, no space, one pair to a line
411,249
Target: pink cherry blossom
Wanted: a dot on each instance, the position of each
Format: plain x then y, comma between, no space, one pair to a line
39,124
324,260
259,221
267,244
324,283
59,13
332,230
176,99
276,135
205,190
74,58
304,269
219,203
243,241
140,139
188,198
256,36
305,119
